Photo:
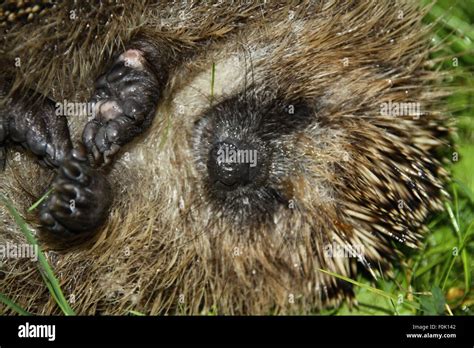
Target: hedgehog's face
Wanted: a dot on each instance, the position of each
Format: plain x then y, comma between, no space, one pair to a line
246,150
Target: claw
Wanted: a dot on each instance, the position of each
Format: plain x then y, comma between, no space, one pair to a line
60,206
68,190
96,154
71,170
110,153
79,154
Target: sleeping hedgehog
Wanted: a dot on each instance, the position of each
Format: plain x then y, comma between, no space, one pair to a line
216,155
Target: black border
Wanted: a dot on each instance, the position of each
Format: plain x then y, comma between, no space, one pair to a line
208,330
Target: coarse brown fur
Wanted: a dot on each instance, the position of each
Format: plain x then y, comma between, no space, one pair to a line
353,177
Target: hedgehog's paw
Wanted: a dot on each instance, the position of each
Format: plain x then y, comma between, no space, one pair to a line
125,100
36,127
80,200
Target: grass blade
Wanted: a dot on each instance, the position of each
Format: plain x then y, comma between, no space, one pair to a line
453,220
370,288
39,201
44,267
13,305
213,79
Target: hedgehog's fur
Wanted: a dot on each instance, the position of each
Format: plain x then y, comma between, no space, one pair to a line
352,176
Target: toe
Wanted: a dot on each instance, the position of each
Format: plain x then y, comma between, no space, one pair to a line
67,190
60,205
89,133
101,140
36,143
117,72
113,131
101,82
108,155
109,110
134,110
46,218
133,58
79,154
73,170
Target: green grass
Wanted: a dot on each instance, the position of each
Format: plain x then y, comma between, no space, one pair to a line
49,279
39,201
9,303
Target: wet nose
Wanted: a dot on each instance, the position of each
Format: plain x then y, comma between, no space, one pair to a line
232,164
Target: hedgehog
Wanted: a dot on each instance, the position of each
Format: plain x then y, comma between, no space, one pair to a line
216,156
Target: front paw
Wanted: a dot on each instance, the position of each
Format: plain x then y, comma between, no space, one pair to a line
80,200
125,100
36,126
